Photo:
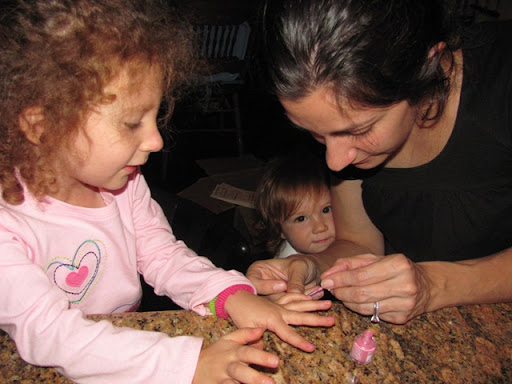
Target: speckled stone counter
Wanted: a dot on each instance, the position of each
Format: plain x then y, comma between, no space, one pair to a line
458,345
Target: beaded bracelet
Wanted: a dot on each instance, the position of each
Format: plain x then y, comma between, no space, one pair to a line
217,304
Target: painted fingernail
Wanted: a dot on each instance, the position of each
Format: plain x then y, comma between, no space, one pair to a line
312,293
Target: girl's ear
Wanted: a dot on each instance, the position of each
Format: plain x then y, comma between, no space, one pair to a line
283,236
30,121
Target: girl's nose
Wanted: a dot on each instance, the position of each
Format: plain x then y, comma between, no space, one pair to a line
320,226
338,155
153,141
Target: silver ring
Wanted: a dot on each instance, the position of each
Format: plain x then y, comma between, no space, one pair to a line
375,317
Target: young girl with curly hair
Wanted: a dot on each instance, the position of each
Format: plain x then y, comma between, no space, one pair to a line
81,84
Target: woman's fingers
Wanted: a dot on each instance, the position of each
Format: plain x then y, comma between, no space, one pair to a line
267,277
301,273
398,284
382,269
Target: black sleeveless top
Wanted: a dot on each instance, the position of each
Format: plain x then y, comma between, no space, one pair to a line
459,205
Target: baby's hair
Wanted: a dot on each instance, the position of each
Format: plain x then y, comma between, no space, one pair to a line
56,57
285,184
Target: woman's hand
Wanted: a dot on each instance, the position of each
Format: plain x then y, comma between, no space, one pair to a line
228,360
292,274
401,287
248,310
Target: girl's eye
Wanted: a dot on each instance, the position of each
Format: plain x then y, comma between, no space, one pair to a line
133,125
300,219
327,209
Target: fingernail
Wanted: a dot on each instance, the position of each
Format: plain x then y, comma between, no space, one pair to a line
327,284
279,287
318,290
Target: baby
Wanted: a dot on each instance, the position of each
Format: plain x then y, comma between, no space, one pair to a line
293,201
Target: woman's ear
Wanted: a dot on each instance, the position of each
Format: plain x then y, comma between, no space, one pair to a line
436,49
30,121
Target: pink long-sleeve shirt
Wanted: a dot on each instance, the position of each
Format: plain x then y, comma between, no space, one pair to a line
59,262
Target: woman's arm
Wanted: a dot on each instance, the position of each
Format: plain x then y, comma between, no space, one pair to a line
355,232
403,288
476,281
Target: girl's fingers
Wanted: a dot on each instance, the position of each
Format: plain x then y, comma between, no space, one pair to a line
287,334
241,370
251,354
308,305
290,298
242,373
245,335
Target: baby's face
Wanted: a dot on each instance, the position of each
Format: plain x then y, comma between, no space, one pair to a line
310,229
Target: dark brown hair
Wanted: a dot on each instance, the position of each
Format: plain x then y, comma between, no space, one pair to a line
58,55
370,53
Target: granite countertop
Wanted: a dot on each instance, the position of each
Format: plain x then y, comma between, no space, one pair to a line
470,344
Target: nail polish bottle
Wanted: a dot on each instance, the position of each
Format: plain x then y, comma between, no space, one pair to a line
363,348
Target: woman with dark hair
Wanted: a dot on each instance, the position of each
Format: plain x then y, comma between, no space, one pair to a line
415,114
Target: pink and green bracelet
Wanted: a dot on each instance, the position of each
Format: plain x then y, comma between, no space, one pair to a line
217,304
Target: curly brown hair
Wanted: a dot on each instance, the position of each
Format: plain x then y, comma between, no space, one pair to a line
58,55
288,180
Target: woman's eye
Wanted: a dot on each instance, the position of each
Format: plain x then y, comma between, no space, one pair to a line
362,132
318,138
327,209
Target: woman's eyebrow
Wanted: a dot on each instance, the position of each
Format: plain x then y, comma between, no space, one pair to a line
354,126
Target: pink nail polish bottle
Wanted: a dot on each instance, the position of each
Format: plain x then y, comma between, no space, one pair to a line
363,348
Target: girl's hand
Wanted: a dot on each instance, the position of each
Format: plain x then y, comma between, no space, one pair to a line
228,360
401,287
248,310
288,298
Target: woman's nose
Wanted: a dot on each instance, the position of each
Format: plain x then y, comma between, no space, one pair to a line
338,155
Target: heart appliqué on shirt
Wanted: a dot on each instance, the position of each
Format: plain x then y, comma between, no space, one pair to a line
75,276
75,279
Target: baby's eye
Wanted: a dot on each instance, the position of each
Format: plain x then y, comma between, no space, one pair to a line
327,209
300,219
